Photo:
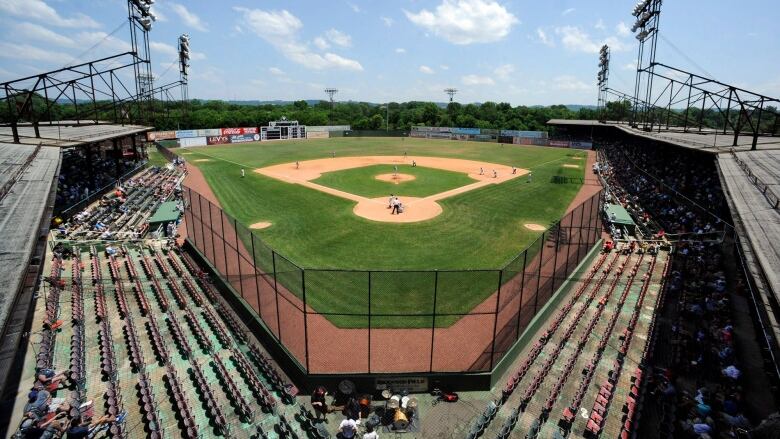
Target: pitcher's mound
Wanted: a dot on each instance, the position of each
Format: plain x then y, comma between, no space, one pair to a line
534,227
395,178
260,225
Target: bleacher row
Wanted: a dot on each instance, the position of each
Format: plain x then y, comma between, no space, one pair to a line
610,304
123,214
182,389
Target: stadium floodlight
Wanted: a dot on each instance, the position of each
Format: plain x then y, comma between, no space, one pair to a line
146,23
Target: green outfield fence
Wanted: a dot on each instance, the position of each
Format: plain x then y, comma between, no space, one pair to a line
376,332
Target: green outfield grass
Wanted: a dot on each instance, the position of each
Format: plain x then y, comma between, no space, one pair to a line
361,181
480,229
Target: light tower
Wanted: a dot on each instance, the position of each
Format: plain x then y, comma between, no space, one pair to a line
331,92
647,13
141,17
603,79
451,92
184,65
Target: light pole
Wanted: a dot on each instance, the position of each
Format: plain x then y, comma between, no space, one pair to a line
387,117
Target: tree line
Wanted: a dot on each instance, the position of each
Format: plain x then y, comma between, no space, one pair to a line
197,114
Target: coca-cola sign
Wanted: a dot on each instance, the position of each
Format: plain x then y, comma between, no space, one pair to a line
238,131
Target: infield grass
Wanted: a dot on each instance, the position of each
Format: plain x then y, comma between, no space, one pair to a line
362,181
478,230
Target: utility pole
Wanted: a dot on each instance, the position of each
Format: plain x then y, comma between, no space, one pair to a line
451,92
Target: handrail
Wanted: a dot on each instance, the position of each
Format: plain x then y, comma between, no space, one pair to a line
766,190
6,188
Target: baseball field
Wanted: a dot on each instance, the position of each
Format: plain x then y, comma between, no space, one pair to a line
323,204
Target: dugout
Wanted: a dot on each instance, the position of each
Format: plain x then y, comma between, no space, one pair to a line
167,212
619,217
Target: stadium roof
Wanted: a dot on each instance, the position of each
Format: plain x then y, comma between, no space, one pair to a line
753,202
70,133
21,211
705,140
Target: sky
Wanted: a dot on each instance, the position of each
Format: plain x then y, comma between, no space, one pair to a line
525,52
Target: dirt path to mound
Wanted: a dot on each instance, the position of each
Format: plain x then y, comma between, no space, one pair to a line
415,209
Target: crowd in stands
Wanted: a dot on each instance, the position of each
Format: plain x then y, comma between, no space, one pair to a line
663,189
81,178
697,384
122,213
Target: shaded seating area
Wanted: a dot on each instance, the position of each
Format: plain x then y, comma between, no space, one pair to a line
124,212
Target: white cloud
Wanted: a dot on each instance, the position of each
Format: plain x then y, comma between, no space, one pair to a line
188,17
280,29
427,70
355,8
630,66
622,29
569,83
29,31
466,21
568,11
165,49
160,16
321,43
387,21
38,10
107,43
477,80
575,39
547,41
504,71
600,25
400,50
32,53
338,38
276,71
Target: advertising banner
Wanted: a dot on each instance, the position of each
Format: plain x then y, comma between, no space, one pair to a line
188,142
327,128
209,132
529,134
526,140
217,140
559,143
325,135
160,135
183,134
471,131
489,132
540,142
582,145
242,138
239,131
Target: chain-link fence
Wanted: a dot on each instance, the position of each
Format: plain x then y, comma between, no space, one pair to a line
385,321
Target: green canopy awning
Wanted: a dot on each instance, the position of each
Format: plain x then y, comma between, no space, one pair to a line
165,213
617,214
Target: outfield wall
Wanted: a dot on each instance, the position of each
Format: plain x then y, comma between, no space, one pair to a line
291,302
